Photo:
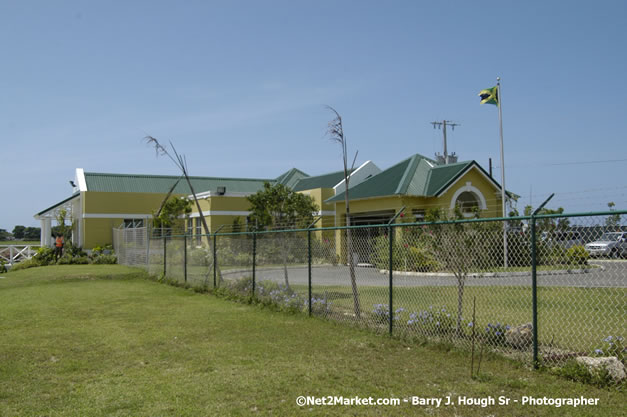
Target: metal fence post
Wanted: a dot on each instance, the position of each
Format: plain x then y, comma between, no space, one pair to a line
165,255
185,257
309,269
309,262
215,254
534,283
254,260
148,249
215,257
534,292
391,266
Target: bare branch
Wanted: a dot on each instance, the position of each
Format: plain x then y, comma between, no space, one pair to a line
335,130
159,148
168,196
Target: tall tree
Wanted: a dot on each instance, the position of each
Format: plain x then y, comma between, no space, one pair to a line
335,130
181,163
459,247
18,232
613,221
277,207
32,233
170,212
4,235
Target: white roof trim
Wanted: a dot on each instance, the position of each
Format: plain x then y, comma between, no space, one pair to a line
80,179
52,213
208,194
467,170
362,166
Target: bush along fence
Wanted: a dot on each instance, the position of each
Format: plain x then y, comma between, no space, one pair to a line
549,290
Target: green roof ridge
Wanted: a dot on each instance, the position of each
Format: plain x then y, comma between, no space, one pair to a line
105,174
403,184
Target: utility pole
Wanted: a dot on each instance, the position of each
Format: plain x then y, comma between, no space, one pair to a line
442,125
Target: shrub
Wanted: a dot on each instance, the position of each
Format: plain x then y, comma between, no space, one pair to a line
319,306
29,263
381,313
495,334
242,286
577,255
44,256
410,254
200,257
102,250
613,346
434,321
279,296
105,259
576,371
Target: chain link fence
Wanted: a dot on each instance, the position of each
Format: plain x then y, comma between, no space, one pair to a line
544,289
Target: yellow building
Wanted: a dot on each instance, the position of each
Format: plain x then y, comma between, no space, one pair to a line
102,202
417,183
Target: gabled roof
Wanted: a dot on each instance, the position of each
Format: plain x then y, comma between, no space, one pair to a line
136,183
59,204
321,181
290,178
416,176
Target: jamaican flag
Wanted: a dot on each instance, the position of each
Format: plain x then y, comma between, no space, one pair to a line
489,96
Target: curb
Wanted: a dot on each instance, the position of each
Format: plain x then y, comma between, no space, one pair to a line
492,274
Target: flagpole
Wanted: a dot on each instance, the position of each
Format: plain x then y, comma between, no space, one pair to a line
499,101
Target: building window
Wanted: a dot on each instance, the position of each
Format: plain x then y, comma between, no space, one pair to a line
198,230
467,202
133,223
419,215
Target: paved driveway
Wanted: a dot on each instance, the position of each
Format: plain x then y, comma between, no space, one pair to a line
611,274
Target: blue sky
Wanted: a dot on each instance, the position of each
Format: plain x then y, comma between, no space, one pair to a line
239,87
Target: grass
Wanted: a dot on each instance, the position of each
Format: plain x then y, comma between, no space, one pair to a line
20,242
103,340
574,319
568,317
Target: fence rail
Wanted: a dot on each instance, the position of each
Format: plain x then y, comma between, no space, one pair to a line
561,292
11,254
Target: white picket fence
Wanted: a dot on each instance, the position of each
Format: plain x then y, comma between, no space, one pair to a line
11,254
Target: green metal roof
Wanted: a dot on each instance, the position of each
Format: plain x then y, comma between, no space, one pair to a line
291,177
416,176
444,175
137,183
321,181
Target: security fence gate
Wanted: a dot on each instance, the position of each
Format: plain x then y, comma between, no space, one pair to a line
560,294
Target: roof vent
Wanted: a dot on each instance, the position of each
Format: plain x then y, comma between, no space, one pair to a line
221,190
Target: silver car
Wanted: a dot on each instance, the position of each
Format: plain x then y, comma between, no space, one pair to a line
612,244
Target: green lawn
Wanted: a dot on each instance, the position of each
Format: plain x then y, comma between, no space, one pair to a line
570,319
104,340
577,319
20,242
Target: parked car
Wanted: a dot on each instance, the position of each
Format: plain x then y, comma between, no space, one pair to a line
564,238
612,244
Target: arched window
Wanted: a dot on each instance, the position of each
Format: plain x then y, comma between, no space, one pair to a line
467,202
469,199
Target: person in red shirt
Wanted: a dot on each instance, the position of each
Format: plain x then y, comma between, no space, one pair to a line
58,247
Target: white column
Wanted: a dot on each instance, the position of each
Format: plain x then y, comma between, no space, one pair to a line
46,229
